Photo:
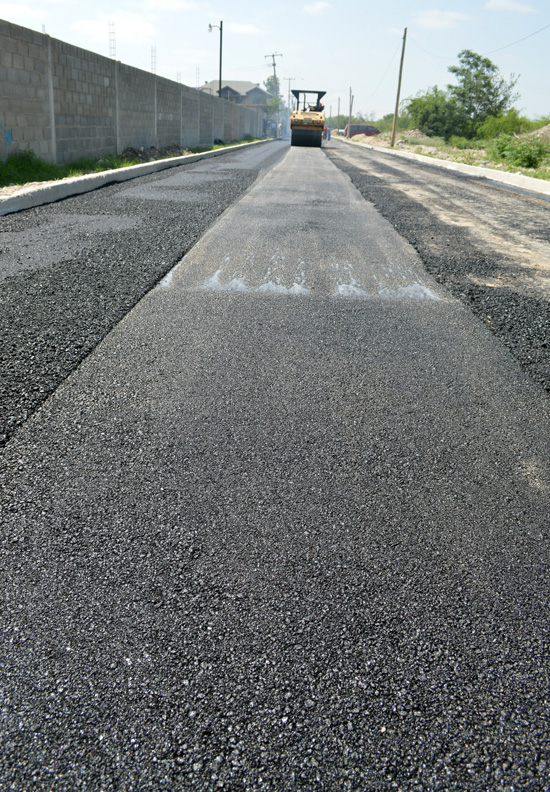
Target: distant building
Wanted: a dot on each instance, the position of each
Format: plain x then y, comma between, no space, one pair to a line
245,93
242,92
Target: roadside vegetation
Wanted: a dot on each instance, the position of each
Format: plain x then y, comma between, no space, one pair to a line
472,121
24,167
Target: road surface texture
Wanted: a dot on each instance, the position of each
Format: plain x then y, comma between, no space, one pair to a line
285,528
70,271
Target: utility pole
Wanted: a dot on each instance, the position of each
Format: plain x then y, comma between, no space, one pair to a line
275,85
276,81
289,80
394,128
350,111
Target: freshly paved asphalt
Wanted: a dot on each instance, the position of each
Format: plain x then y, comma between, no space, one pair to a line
285,529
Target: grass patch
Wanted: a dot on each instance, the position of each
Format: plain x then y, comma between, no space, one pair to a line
413,141
23,167
83,166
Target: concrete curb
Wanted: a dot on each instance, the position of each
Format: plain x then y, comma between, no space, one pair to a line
29,197
511,179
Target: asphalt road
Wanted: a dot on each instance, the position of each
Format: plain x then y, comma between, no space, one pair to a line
285,528
70,271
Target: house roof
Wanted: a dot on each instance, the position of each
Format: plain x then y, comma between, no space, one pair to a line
242,87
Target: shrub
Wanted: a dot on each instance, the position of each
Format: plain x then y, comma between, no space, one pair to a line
526,152
434,113
507,124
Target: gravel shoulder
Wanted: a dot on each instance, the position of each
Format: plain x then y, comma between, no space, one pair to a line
489,245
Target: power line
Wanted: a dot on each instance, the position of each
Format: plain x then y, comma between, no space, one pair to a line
506,46
385,73
519,40
431,54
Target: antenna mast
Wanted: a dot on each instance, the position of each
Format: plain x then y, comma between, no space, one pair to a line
112,40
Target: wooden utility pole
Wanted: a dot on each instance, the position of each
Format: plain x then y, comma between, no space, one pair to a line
396,114
277,96
275,80
350,111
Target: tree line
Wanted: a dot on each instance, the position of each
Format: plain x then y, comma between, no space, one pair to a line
478,105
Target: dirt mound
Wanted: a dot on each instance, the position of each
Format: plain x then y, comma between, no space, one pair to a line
543,132
152,153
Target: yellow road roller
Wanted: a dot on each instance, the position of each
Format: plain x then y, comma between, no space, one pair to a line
307,119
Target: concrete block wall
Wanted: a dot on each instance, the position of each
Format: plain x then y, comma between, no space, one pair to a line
168,112
25,111
205,119
190,117
65,103
218,115
136,108
84,102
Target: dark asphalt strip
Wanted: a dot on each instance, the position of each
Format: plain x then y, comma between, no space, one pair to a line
228,569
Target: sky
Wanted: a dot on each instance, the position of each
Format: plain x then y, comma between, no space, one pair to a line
340,46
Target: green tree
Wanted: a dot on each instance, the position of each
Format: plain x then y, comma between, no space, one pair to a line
272,87
435,113
404,119
508,124
481,91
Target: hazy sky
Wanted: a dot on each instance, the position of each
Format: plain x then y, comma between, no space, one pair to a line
331,45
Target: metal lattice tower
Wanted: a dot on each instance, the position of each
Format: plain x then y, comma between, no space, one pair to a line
112,40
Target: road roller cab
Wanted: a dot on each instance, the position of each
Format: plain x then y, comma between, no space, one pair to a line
307,119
